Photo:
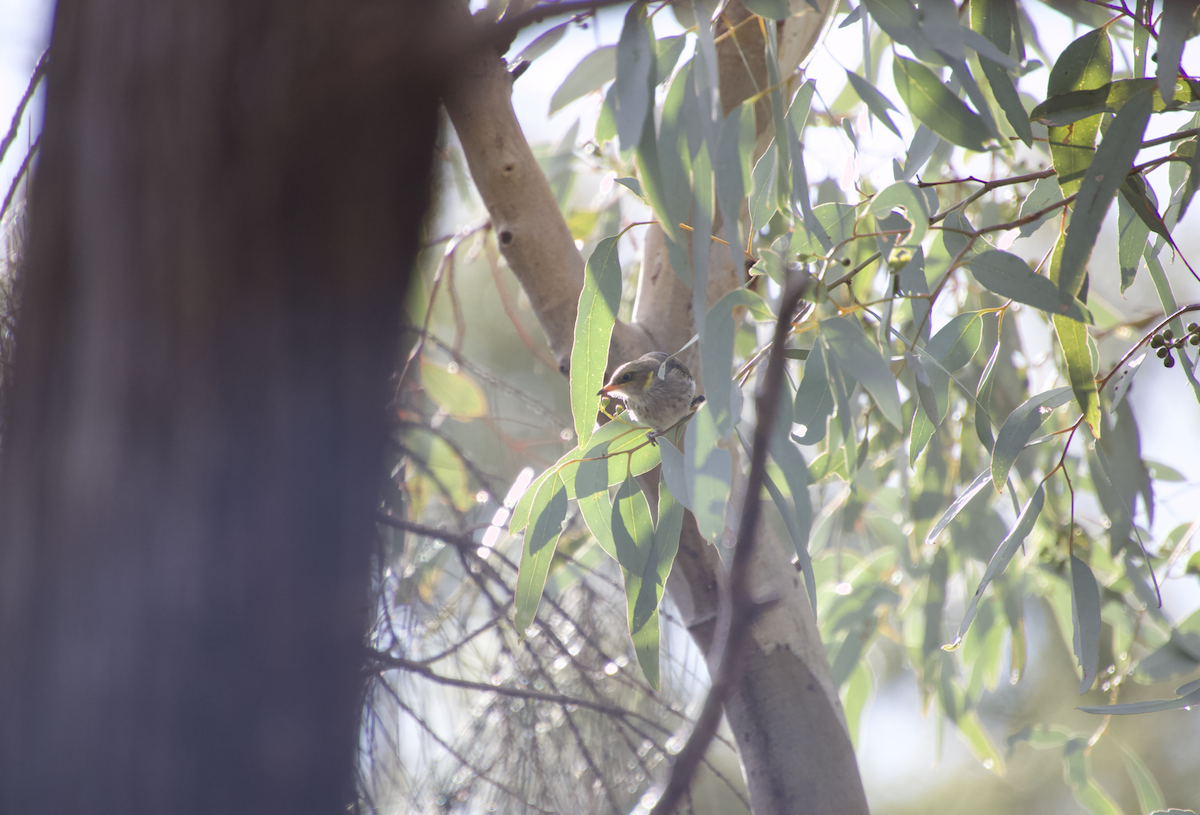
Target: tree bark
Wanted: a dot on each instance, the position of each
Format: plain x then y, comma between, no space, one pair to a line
222,225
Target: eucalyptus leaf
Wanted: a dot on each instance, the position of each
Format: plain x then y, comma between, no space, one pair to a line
591,74
1019,427
937,107
598,303
548,511
861,359
1085,611
1004,554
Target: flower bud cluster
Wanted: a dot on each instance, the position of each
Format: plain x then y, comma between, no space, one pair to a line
1164,342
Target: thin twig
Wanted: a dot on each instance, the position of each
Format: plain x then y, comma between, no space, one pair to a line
38,72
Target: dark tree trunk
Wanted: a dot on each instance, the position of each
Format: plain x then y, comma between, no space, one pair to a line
222,225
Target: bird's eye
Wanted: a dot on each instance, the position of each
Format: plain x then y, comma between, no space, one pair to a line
625,378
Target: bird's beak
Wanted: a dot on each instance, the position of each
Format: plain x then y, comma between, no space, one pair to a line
606,390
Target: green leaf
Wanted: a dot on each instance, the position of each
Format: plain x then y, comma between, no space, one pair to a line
912,281
876,102
1085,64
983,400
1140,196
1113,160
1003,554
964,498
673,472
667,53
814,399
658,569
994,19
1019,427
548,512
773,9
717,357
595,504
834,220
708,470
633,185
635,76
762,198
1008,276
1150,796
677,187
952,347
735,143
1073,340
937,107
1077,771
1066,108
1085,612
1045,192
795,472
1155,706
861,359
591,74
598,304
1176,25
456,393
903,194
543,43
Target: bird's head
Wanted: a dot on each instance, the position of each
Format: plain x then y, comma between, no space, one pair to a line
634,377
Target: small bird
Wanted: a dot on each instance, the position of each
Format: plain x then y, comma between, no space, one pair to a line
650,399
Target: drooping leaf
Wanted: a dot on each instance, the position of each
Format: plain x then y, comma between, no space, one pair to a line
1019,427
591,74
937,107
876,102
1112,162
1178,22
635,76
548,511
717,361
861,359
952,348
598,304
983,400
1007,275
912,282
708,469
1085,64
964,498
1085,611
595,504
732,172
814,399
795,472
543,43
1003,554
994,19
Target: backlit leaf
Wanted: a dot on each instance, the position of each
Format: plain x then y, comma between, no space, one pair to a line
591,74
598,304
1019,427
937,107
860,358
548,512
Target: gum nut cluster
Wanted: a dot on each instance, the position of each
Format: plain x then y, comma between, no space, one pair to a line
1164,342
